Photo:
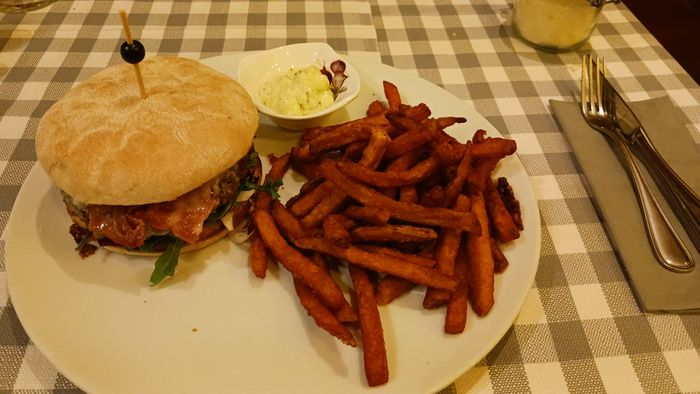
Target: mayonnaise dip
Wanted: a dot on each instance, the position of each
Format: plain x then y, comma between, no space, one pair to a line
299,91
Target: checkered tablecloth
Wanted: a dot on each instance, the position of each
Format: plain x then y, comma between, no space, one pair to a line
580,328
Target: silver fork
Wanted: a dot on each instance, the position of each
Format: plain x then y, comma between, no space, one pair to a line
596,108
684,202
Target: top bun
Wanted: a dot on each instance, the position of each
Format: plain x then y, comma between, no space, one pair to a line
103,144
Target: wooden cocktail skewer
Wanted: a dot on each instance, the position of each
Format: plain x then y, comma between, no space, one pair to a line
131,45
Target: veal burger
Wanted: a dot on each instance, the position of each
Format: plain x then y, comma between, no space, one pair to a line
153,176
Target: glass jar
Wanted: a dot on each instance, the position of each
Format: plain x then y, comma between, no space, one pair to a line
555,25
21,6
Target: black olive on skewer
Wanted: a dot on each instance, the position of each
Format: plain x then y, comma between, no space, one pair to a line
132,53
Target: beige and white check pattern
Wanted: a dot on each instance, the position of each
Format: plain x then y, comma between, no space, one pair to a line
580,329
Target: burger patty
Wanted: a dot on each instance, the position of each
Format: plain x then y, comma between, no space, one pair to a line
183,217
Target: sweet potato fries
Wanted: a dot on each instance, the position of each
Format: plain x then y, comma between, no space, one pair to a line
396,202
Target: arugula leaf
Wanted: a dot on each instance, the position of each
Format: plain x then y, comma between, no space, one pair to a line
155,243
267,187
83,241
252,159
220,212
166,263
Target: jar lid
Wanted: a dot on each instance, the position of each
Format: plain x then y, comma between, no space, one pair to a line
600,3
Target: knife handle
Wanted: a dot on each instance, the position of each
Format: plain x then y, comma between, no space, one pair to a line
665,242
682,199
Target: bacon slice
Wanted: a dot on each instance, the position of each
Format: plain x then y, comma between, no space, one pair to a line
185,216
117,223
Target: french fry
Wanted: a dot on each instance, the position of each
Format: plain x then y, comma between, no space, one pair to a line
393,232
418,112
477,179
354,130
373,348
308,201
307,187
416,174
345,313
457,306
262,199
479,136
340,137
446,252
354,150
376,107
447,149
405,161
408,194
301,267
313,132
411,258
258,256
494,148
450,152
277,170
335,231
480,261
511,203
278,167
381,263
321,315
503,224
372,215
412,139
330,203
392,287
289,225
447,121
374,151
302,153
308,169
371,156
500,262
402,163
391,92
401,121
434,197
456,183
403,211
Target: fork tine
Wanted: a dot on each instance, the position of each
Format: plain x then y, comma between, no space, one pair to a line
608,95
592,91
587,99
607,102
584,86
598,87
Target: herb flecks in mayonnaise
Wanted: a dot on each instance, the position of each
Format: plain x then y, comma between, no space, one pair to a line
299,91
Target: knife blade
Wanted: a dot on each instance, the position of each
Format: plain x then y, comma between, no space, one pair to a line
684,202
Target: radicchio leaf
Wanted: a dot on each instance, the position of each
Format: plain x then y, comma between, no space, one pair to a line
327,73
338,67
336,76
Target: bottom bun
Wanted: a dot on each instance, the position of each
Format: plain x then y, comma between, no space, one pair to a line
185,249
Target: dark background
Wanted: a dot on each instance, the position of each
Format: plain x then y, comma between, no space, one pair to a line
676,24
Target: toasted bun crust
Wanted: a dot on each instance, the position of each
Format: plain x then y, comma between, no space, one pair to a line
103,144
185,249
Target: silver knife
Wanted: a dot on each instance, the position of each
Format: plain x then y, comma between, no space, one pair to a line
682,199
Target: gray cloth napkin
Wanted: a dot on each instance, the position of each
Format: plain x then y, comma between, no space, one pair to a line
656,289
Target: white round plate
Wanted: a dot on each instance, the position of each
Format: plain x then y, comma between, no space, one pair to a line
214,327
